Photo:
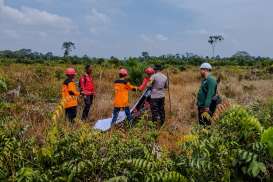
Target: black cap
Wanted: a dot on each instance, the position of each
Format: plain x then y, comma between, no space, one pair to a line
158,67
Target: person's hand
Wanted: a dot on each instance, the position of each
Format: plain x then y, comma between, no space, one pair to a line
206,116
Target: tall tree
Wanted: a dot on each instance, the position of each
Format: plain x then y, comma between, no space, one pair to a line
68,47
145,54
213,40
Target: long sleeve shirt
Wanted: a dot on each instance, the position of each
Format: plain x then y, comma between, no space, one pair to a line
206,92
70,93
122,88
87,85
144,84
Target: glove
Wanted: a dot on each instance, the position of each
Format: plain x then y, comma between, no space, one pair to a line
149,87
206,117
71,93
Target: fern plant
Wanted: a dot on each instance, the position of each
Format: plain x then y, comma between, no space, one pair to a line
267,138
240,126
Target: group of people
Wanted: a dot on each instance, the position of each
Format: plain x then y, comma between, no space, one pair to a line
155,80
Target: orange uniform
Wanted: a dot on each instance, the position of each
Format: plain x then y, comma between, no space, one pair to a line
122,88
70,94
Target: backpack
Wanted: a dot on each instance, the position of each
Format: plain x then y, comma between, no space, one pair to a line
216,100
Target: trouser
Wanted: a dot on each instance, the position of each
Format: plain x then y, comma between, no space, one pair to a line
88,100
203,120
71,113
116,112
158,111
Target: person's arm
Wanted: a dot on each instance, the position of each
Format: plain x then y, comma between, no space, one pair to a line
94,91
151,81
144,84
131,87
82,83
72,90
210,93
63,90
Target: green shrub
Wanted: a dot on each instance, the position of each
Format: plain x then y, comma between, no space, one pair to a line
230,150
241,126
267,138
270,69
136,72
59,74
182,68
3,85
264,112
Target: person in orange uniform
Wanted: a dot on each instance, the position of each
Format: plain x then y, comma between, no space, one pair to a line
121,100
149,72
70,94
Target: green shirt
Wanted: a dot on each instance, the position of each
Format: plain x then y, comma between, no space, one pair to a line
206,92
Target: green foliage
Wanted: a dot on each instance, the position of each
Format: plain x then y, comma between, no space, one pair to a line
240,125
59,74
136,72
166,177
264,112
3,85
27,174
255,168
79,155
270,69
230,149
140,165
227,151
118,179
267,138
249,164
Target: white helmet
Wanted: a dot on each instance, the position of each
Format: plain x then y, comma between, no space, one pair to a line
206,66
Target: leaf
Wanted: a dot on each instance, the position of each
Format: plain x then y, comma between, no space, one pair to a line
255,168
118,179
267,138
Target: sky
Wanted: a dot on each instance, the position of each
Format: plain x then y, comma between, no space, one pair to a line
122,28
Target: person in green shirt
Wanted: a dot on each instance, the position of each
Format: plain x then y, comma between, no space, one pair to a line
206,93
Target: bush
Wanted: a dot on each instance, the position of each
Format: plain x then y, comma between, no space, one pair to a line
136,72
229,150
264,112
267,138
239,125
59,74
3,86
81,155
270,69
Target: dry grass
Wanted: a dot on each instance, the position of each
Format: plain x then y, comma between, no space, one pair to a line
41,89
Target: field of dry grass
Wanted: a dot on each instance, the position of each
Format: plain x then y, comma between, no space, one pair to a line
41,86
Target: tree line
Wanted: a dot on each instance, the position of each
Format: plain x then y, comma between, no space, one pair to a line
28,56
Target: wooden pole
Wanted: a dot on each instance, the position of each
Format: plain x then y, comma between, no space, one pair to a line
169,93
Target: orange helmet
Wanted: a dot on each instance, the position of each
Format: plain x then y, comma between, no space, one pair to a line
123,72
149,71
70,71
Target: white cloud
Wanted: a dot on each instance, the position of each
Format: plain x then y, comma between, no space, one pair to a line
161,37
153,38
146,38
11,33
197,31
33,17
98,21
242,22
